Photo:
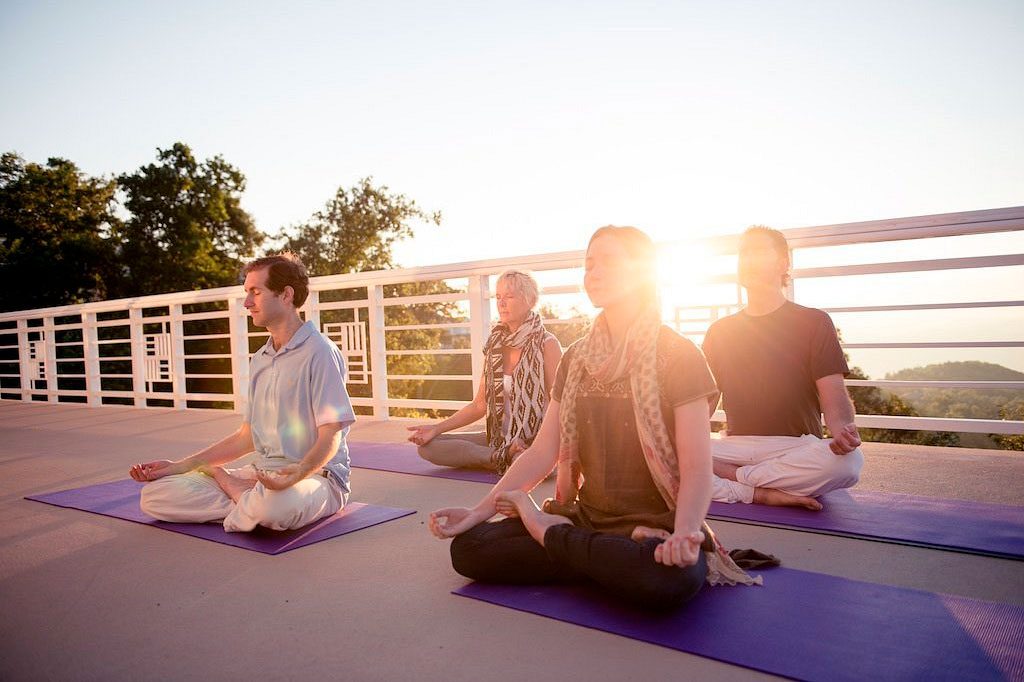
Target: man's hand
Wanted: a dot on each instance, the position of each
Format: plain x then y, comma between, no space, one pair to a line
421,435
846,441
451,521
150,471
280,479
679,549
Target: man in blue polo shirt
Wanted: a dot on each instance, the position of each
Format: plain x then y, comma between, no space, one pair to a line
296,421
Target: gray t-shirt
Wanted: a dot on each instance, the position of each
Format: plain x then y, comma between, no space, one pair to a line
292,392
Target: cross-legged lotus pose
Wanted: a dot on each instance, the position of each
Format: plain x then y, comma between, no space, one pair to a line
296,421
628,419
519,369
779,366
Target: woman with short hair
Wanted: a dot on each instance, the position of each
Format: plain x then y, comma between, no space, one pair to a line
520,358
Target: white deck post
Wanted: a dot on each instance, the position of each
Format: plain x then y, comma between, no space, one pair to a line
238,328
138,356
378,351
24,362
178,357
479,323
50,344
91,353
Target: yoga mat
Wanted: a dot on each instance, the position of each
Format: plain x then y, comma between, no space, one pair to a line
402,458
120,499
959,525
807,626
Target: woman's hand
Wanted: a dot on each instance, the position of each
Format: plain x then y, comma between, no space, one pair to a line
421,435
451,521
680,549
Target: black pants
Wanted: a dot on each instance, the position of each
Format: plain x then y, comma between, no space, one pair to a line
504,552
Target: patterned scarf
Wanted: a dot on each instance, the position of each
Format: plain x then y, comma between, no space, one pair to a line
635,356
528,399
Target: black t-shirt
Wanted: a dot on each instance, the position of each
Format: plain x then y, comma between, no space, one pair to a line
766,367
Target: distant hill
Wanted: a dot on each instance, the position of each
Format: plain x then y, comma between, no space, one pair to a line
958,371
961,402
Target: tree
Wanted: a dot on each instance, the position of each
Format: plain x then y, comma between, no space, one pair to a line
873,400
187,228
355,230
1014,411
54,223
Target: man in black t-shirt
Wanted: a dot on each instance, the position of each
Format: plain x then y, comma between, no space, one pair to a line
779,366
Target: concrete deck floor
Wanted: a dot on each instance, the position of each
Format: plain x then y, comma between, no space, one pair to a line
86,597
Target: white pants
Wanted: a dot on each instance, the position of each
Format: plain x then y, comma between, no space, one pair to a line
196,498
800,465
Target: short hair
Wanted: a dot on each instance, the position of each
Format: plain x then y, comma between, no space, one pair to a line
523,283
640,247
779,243
283,270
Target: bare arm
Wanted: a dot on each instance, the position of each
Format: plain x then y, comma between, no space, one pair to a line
223,451
552,355
839,413
423,434
328,439
526,472
693,450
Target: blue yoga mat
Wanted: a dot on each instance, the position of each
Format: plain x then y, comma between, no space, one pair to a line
120,500
807,626
402,458
959,525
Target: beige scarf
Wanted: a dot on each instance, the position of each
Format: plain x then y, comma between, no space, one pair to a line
607,362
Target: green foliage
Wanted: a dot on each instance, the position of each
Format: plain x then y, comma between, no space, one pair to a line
187,229
567,333
355,230
873,400
1014,411
54,220
960,402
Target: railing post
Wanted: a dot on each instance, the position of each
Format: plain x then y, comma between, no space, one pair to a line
312,309
239,331
479,323
24,362
378,351
91,352
138,356
178,357
50,348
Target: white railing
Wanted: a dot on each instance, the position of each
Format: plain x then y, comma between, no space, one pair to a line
191,349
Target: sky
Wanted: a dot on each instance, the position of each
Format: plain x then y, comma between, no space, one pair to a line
529,124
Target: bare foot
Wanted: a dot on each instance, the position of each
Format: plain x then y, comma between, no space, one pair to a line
641,533
778,498
724,470
536,521
233,486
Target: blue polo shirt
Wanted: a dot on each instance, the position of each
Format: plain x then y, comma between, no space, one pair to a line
293,391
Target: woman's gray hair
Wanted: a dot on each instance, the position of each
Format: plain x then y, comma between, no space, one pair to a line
523,283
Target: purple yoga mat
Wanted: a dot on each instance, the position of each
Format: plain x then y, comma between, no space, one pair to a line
960,525
120,499
806,626
402,458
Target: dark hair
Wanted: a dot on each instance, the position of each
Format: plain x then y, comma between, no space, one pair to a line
283,270
639,246
779,243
